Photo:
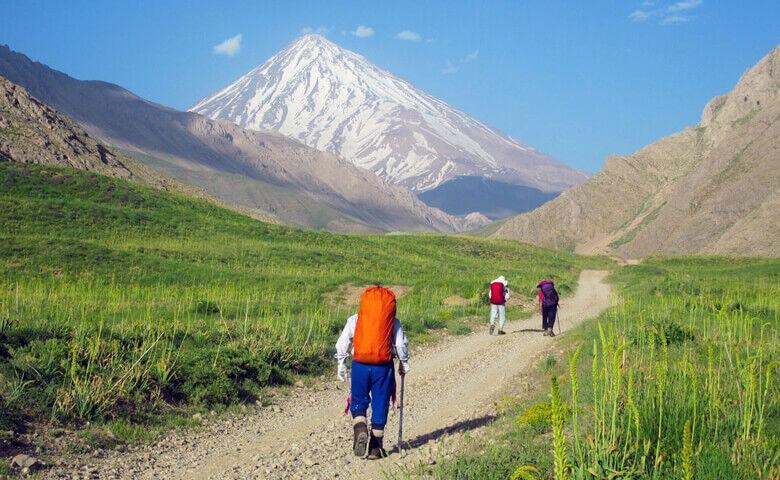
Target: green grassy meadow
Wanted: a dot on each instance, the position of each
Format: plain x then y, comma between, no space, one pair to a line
679,380
120,303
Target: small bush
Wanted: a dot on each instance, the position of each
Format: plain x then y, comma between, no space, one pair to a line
539,416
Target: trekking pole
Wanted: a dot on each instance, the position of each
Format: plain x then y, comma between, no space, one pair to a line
401,417
557,318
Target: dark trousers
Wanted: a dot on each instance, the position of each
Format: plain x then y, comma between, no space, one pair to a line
548,316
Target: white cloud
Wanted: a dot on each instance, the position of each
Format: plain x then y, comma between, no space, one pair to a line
450,69
455,67
321,30
641,15
670,14
408,35
229,47
684,5
674,20
362,31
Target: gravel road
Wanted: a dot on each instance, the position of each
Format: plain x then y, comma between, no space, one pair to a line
452,388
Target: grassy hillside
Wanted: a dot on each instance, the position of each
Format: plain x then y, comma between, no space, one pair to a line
678,380
120,302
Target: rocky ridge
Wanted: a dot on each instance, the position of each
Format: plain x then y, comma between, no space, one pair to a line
712,188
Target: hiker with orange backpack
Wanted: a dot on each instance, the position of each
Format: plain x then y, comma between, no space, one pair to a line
499,295
548,305
371,336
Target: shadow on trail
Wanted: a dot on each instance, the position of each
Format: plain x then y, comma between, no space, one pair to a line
459,427
527,330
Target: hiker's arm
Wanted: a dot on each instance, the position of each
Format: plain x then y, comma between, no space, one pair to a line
344,343
401,345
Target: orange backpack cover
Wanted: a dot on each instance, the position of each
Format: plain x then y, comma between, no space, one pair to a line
373,342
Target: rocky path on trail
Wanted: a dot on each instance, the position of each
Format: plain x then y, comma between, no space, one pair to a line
452,388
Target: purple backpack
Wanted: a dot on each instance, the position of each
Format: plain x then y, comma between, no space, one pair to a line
549,294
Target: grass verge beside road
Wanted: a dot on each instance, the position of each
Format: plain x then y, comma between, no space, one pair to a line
677,380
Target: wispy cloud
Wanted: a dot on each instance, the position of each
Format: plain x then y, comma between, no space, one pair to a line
673,20
684,5
669,14
450,68
409,36
321,30
455,67
641,15
229,47
362,31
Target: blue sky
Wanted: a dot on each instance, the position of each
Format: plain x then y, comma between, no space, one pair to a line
577,79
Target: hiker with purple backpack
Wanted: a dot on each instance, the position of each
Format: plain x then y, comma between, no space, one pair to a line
548,305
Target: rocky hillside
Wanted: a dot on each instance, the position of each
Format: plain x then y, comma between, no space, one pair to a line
32,132
713,188
264,172
338,101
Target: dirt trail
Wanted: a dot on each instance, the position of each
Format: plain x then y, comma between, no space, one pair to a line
452,388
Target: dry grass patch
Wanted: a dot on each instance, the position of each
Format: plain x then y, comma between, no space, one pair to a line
348,295
456,300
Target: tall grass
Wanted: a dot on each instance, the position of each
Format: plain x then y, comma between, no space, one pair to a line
683,376
118,301
678,379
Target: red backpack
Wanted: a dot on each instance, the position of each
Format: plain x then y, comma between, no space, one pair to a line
497,293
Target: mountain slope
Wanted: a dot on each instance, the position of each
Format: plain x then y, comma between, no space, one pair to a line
264,172
335,100
32,132
714,188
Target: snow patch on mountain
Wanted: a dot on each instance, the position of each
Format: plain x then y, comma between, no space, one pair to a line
336,100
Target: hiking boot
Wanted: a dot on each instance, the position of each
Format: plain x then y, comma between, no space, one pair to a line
360,440
550,332
375,448
546,332
492,328
501,332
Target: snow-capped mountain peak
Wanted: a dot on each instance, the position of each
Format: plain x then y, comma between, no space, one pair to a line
336,100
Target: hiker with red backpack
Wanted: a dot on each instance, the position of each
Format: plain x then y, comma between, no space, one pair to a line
499,294
372,336
548,305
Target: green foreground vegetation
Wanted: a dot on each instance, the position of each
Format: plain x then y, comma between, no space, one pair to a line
678,380
122,304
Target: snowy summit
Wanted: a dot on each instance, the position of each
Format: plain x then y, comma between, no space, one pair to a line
336,100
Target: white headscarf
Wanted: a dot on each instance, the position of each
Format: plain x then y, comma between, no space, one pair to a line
501,279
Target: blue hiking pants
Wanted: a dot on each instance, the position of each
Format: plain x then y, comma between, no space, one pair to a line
374,384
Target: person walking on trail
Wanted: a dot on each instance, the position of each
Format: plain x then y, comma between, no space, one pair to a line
372,336
499,294
548,305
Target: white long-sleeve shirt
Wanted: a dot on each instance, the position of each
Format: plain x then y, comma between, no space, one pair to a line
344,347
